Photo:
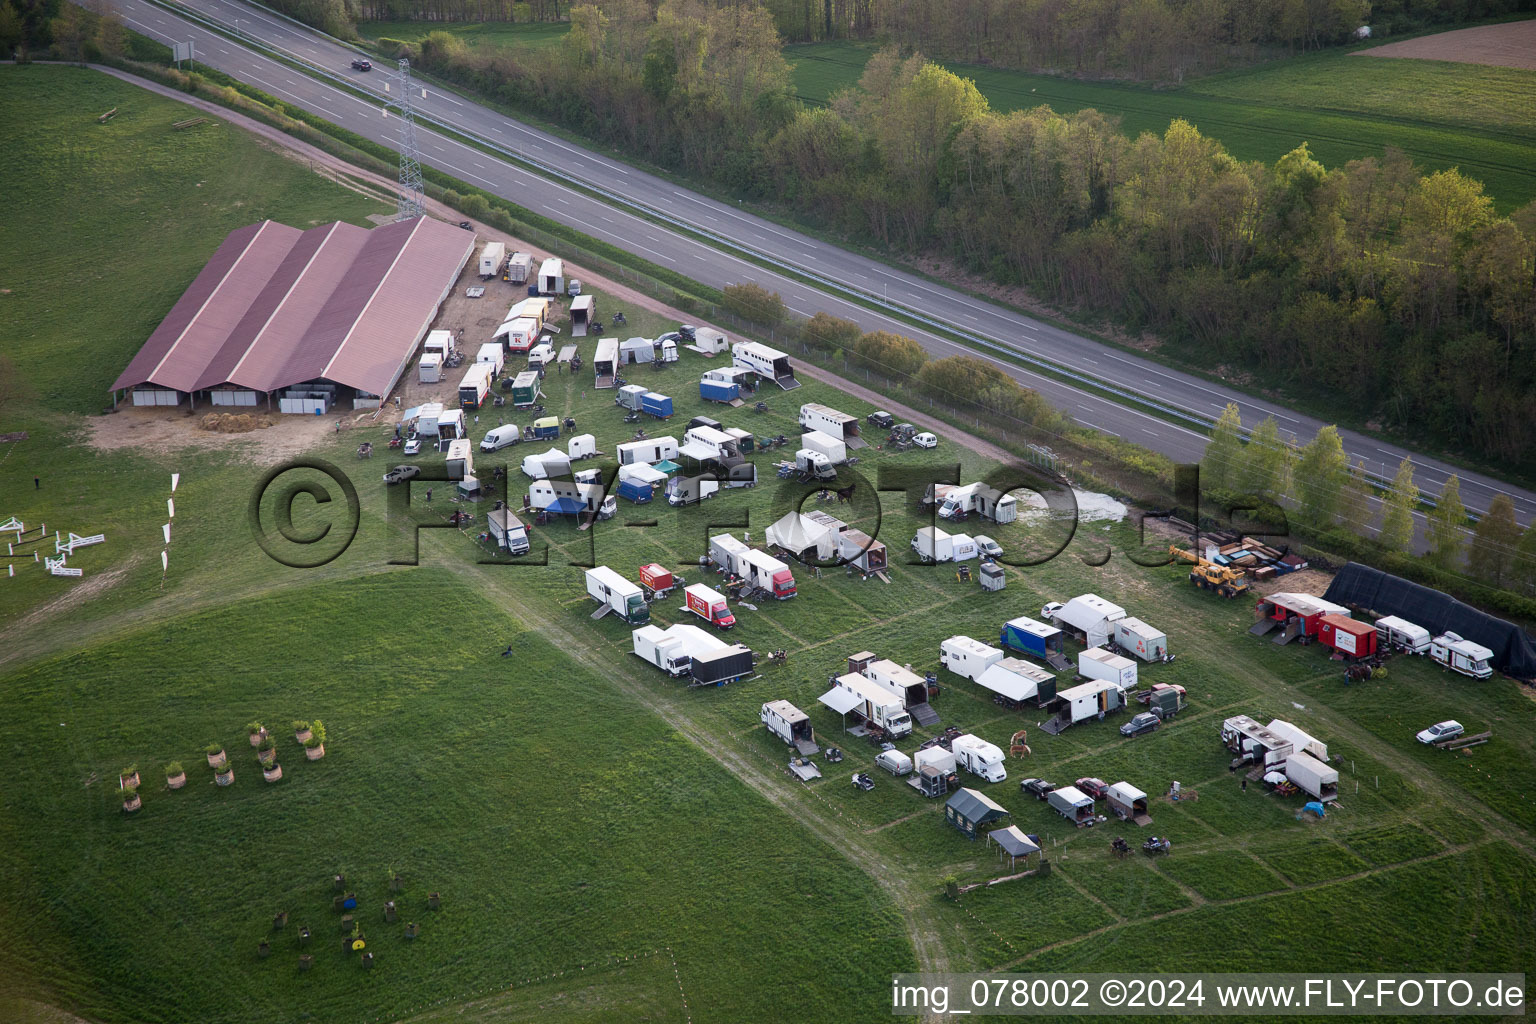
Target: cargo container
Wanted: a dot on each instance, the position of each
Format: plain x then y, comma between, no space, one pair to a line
1097,663
1348,636
605,363
491,258
717,668
552,277
1037,639
492,355
719,391
1015,683
518,266
653,404
1141,640
1312,776
657,579
525,388
709,605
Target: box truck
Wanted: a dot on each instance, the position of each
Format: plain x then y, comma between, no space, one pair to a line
614,593
979,757
789,724
517,334
1074,805
968,658
673,649
764,571
726,552
492,355
1034,638
475,388
861,696
1097,663
709,605
508,531
933,545
653,404
835,451
491,259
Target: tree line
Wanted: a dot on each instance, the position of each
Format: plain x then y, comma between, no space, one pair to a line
1398,292
1336,502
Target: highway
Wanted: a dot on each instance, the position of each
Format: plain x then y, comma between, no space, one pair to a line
713,265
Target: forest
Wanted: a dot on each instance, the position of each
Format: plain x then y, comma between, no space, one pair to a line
1400,297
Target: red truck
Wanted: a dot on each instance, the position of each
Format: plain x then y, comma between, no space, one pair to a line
709,605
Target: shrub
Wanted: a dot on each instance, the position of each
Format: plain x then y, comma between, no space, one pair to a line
958,376
174,769
213,748
299,725
317,737
890,354
754,303
829,333
254,727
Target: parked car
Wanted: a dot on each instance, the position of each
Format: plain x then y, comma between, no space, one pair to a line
1095,788
1447,730
1144,722
688,332
895,762
1038,788
412,446
926,440
987,546
881,419
400,474
359,64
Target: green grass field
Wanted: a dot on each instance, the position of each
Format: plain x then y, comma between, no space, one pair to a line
609,843
536,34
1345,108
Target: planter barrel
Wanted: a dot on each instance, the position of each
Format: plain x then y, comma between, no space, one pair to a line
268,756
133,803
225,777
273,773
316,752
280,920
303,737
434,901
176,781
263,949
215,760
389,911
412,930
129,781
306,961
257,737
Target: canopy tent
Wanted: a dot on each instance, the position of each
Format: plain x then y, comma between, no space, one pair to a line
1013,842
802,538
698,451
840,700
667,466
1361,586
641,473
566,506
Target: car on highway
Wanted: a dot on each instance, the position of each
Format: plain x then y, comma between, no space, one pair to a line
1096,788
987,546
413,446
926,440
400,474
1038,788
1144,722
1440,731
362,65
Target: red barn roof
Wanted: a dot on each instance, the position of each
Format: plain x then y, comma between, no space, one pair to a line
277,306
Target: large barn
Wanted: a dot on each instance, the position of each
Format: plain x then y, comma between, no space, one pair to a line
299,321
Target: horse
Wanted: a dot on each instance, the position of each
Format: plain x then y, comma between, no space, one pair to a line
845,494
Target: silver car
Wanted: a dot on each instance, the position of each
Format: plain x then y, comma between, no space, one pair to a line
1441,731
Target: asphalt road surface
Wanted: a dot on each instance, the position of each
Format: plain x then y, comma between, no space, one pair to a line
710,265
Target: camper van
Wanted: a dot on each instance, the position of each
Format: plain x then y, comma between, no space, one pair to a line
1462,656
1395,632
979,757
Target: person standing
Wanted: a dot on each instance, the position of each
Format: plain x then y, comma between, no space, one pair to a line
429,495
37,483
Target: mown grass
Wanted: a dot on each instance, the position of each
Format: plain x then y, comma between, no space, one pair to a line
534,35
1263,113
567,826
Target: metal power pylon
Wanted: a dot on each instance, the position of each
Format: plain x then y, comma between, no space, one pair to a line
412,194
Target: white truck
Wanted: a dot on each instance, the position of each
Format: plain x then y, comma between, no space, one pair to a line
983,499
614,593
726,551
835,451
789,724
933,545
968,658
870,701
1097,663
816,464
1312,776
673,649
768,573
491,258
979,757
1462,656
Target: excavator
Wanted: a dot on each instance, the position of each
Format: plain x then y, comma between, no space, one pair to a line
1207,575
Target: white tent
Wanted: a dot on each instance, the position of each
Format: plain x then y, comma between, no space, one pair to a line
641,472
802,537
551,464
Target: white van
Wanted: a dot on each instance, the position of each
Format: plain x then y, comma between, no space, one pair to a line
500,437
895,762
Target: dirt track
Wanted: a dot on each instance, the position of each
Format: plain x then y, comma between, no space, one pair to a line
1511,46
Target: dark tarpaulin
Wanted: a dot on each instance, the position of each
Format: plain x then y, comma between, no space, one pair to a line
1360,586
